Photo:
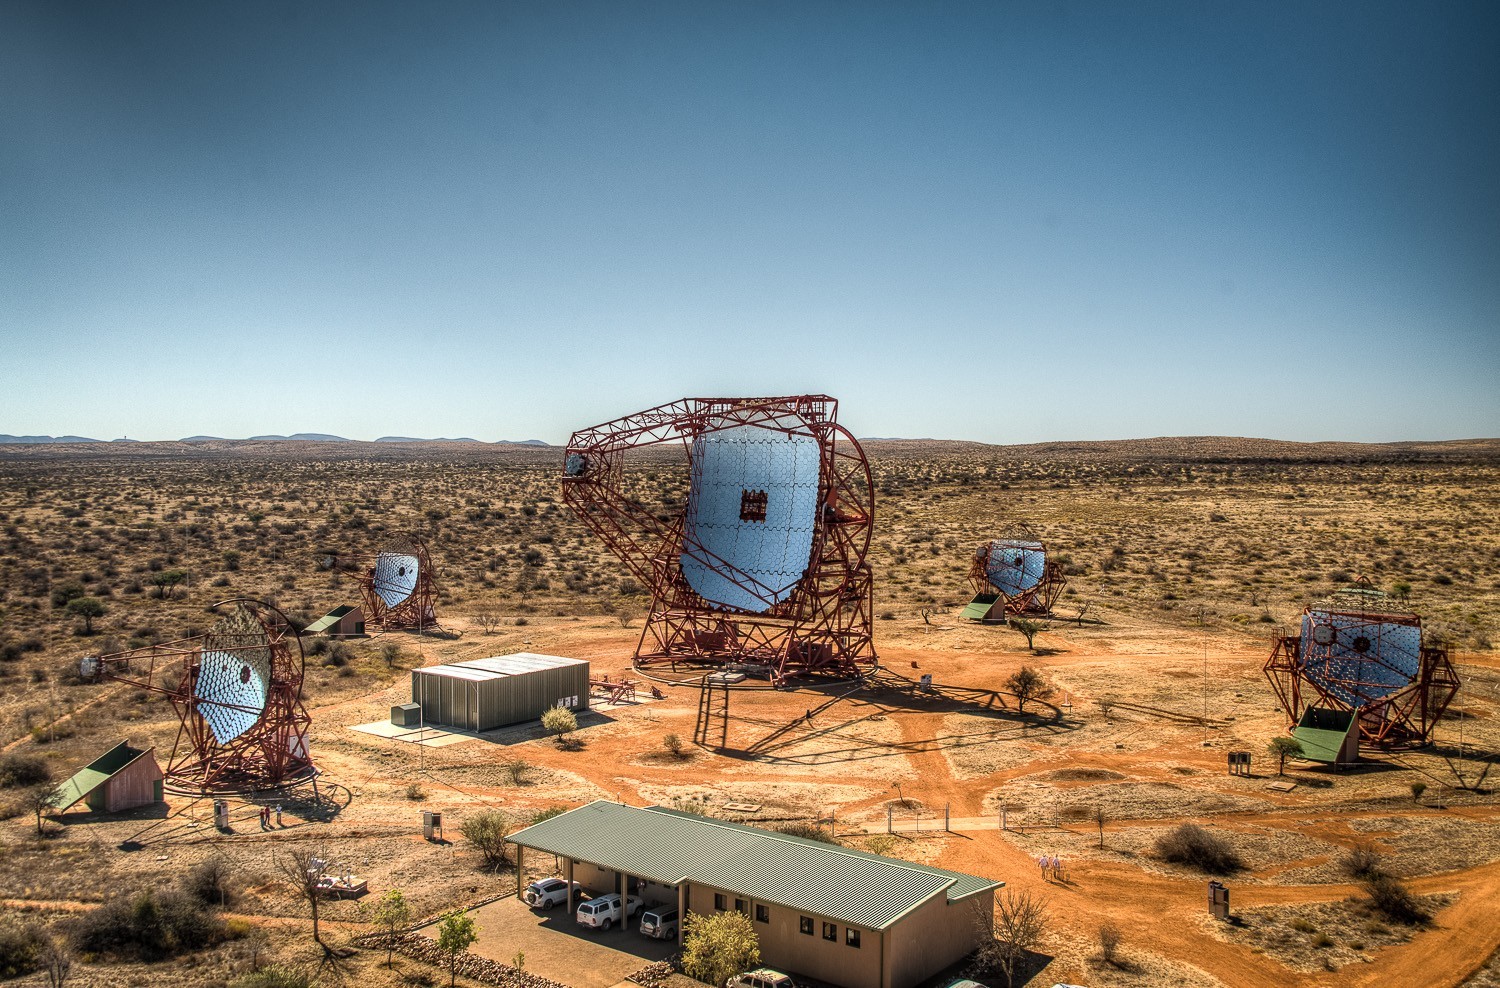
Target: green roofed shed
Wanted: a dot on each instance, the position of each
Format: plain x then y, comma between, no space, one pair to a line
1328,736
120,779
342,622
980,607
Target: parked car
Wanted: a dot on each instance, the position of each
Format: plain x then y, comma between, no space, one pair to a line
762,977
604,911
548,892
660,923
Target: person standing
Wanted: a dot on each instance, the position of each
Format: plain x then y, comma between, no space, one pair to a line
278,815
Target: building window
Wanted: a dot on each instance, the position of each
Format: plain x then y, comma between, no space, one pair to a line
762,913
830,932
741,906
720,903
805,925
851,936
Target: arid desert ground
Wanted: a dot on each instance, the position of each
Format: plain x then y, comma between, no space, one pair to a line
1184,559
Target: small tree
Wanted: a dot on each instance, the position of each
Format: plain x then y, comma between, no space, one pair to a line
210,882
560,723
674,745
1100,816
1028,684
1028,628
57,961
392,914
302,869
717,947
1015,927
1281,748
488,620
167,581
456,933
39,799
1417,789
390,652
487,830
87,608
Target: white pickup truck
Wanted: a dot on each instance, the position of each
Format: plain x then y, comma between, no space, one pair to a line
603,912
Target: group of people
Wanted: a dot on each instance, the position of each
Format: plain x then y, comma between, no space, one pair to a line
1052,868
265,817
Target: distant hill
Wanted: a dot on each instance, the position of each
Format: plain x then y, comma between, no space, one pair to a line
202,439
307,437
412,439
48,439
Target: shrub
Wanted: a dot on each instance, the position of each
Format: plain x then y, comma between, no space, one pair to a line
21,948
1109,944
149,926
807,830
1417,789
210,882
1191,845
560,722
486,830
1363,862
18,770
1393,900
273,976
674,745
516,769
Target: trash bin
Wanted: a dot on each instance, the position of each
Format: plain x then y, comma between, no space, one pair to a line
432,825
1218,900
221,814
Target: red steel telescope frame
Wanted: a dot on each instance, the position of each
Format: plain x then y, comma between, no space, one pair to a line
823,627
1034,600
274,750
1404,717
418,612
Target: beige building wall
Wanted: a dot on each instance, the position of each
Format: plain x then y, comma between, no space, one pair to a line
784,947
934,935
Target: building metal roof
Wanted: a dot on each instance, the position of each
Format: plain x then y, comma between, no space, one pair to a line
328,620
518,663
669,846
980,606
96,773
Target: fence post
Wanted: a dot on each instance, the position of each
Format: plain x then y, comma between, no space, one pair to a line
945,817
888,818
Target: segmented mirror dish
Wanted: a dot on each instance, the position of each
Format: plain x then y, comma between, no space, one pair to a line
1359,658
395,577
752,508
234,676
1015,565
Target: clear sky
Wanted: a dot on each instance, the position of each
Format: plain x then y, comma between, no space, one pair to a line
1010,222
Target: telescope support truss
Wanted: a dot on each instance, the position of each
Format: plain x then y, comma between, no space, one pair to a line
1038,599
823,626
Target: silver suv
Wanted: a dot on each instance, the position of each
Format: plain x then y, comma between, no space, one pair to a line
660,923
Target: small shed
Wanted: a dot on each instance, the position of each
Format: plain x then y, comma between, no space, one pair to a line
1328,735
982,607
120,779
347,621
483,694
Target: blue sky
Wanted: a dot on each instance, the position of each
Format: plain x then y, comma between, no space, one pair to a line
1002,222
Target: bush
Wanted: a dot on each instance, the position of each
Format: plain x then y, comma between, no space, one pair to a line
273,976
807,831
1362,863
560,722
1393,900
209,882
149,926
17,770
1191,845
486,830
21,948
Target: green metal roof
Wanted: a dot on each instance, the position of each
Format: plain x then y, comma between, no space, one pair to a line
95,774
328,620
670,846
1318,745
980,606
